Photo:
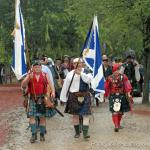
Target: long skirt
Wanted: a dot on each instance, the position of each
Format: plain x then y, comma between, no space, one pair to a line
36,110
125,107
74,107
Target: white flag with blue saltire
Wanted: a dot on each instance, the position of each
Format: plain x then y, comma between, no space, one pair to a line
92,57
19,59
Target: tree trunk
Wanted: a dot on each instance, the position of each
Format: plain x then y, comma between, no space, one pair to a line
146,44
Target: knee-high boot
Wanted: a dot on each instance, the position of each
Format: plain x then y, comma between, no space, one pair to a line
85,131
77,131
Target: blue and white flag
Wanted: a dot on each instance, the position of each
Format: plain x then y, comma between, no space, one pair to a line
92,57
19,59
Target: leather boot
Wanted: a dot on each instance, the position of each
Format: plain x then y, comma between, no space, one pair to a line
77,131
85,132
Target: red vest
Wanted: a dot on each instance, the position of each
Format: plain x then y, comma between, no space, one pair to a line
38,87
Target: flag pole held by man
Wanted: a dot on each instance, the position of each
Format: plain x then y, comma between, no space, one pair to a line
78,101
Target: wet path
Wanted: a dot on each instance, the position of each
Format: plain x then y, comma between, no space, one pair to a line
14,133
135,135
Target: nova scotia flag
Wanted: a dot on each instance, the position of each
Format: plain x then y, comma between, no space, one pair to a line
19,60
92,57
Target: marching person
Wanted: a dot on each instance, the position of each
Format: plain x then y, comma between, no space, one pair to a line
107,69
48,62
77,97
65,66
118,89
39,89
131,69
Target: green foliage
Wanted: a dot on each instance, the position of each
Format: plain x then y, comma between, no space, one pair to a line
59,27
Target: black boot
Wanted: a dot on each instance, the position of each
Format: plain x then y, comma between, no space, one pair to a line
77,131
42,138
33,138
116,129
85,132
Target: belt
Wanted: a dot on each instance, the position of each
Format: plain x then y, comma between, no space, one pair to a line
35,97
117,93
81,94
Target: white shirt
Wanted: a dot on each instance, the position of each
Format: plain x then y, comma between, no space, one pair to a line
75,84
45,69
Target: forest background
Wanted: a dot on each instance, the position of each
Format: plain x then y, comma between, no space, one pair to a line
59,27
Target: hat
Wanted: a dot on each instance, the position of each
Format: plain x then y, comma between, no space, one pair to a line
130,53
36,62
78,60
115,67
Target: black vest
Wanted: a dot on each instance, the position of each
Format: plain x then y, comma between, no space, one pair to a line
84,87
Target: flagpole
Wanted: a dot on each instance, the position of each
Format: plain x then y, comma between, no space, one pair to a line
13,32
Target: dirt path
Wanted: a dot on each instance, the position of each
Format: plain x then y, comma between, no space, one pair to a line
135,135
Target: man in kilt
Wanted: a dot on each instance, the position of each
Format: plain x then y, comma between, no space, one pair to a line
77,96
39,89
118,89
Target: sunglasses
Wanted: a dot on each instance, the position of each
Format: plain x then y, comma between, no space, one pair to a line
105,59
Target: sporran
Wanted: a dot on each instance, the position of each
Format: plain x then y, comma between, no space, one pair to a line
117,105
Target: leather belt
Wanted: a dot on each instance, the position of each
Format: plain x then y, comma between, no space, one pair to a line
36,97
81,94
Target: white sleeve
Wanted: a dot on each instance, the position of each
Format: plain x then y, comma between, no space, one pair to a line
64,90
137,73
86,77
50,76
121,71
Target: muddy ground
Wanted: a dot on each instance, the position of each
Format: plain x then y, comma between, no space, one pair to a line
15,136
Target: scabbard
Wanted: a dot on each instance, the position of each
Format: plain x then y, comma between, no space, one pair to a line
60,113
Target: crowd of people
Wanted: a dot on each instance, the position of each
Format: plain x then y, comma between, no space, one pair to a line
68,81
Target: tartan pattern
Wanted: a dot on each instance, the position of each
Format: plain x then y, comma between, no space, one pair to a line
73,107
34,113
125,107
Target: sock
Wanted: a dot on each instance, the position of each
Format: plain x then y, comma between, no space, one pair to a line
42,129
33,128
115,120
